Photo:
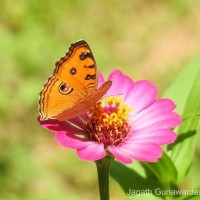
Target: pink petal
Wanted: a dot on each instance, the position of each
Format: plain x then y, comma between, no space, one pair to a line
120,83
71,141
101,80
60,126
94,151
119,155
141,95
160,137
162,121
157,107
148,152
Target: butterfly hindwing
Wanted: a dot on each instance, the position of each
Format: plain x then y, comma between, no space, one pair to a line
85,104
53,101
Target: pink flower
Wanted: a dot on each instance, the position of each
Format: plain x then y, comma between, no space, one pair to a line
130,123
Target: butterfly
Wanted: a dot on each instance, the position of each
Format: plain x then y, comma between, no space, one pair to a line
72,89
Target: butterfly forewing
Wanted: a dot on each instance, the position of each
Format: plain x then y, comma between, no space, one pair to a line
78,68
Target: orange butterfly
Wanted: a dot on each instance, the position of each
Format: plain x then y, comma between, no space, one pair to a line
72,89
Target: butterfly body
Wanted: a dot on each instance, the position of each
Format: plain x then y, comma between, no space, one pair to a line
72,89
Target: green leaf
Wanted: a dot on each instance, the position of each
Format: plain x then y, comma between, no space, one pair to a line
129,178
164,170
194,196
185,92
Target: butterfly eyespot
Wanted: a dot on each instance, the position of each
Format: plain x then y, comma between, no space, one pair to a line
83,56
73,71
65,89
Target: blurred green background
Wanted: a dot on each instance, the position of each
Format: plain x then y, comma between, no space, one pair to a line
146,39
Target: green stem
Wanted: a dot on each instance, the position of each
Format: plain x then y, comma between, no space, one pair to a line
103,166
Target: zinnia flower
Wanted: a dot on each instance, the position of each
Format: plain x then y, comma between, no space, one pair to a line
130,123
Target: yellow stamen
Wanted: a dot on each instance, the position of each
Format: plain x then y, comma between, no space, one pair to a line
109,121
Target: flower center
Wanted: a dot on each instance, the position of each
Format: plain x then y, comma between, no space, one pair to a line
108,123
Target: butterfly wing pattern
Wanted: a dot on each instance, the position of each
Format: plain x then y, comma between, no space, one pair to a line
79,62
72,89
